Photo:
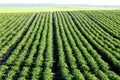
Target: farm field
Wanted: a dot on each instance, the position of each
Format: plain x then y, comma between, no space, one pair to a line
60,45
50,9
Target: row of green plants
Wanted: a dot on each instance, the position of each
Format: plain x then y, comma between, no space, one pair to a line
63,67
31,50
107,45
85,50
111,18
8,40
34,59
70,59
81,27
105,25
17,56
6,17
92,58
15,28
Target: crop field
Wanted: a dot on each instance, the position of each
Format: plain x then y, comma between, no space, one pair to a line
60,45
49,9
